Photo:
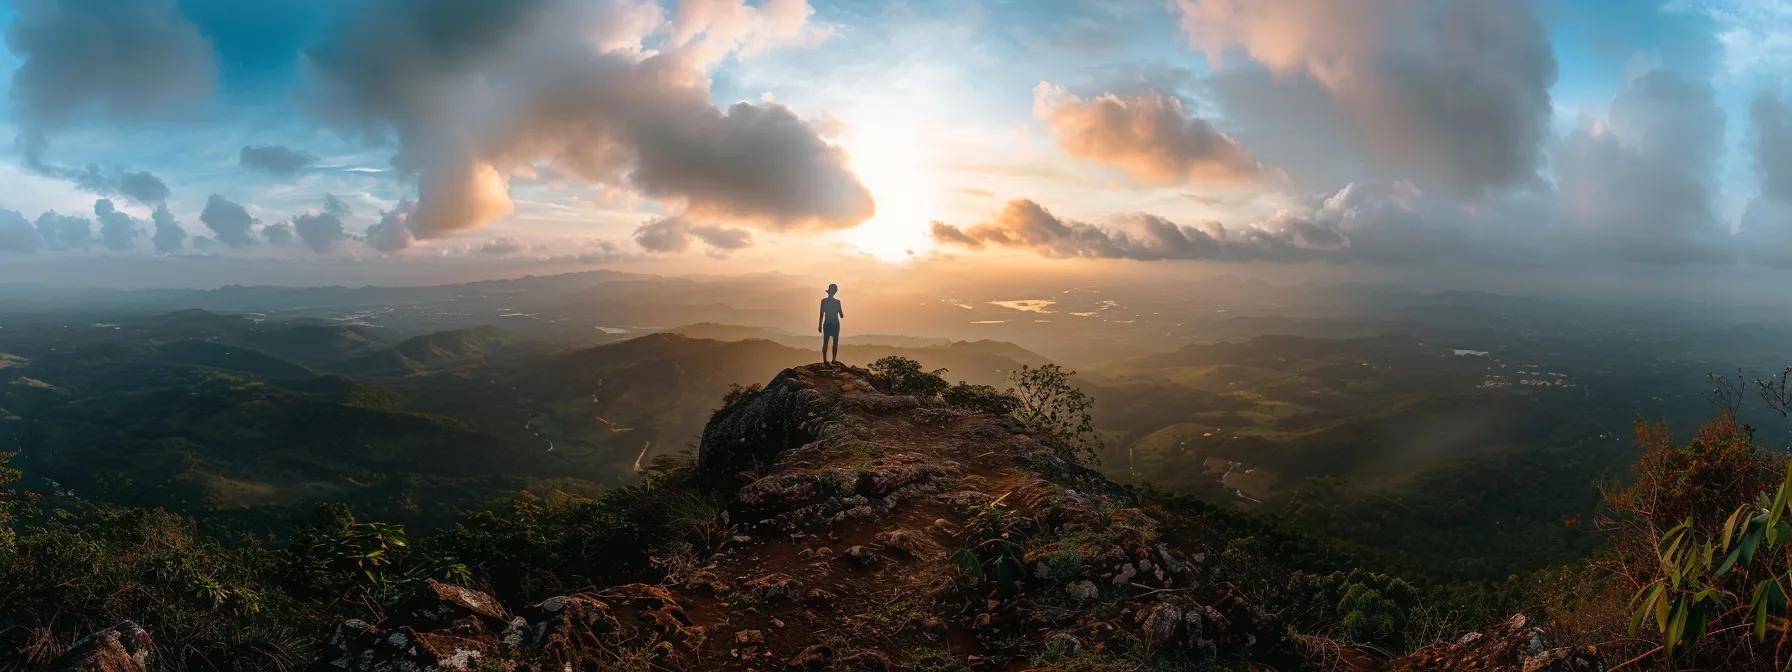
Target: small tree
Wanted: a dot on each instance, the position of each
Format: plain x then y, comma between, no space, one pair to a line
1050,404
981,398
905,376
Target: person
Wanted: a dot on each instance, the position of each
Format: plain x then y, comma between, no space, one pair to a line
829,324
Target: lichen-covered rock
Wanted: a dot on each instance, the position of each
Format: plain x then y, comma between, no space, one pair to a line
125,647
752,432
1513,646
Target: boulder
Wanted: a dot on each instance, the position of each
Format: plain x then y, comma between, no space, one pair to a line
125,647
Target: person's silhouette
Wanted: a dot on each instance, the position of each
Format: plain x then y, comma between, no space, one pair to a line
829,324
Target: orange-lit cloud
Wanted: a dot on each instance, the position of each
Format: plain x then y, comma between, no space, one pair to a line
1150,136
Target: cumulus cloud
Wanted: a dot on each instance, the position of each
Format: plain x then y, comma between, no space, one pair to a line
119,60
1639,186
321,231
169,236
673,234
118,232
275,160
16,233
1765,232
230,223
1450,93
477,92
64,232
1148,135
393,232
278,234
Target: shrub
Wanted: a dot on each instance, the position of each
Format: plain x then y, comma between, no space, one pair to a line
1703,530
738,393
905,376
1050,404
981,398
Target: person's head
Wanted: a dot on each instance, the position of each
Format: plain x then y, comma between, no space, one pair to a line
832,288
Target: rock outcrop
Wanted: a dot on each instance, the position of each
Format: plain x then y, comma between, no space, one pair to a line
121,648
1513,646
866,530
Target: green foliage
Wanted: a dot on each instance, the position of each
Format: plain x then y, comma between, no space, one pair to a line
996,552
13,502
905,376
1703,578
362,562
1050,404
981,398
1367,607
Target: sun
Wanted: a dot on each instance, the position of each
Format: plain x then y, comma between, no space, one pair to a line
890,158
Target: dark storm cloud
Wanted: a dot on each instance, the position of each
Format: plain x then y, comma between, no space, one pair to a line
1640,188
118,232
169,237
16,233
672,234
230,223
1451,94
474,90
275,160
64,232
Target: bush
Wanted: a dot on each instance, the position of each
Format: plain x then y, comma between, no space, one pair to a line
1703,531
738,393
981,398
1050,404
905,376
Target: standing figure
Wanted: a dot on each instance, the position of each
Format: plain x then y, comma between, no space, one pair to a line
829,325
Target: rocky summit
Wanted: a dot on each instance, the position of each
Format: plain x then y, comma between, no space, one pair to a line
867,530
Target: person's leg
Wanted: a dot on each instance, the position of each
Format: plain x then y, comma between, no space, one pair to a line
836,347
824,347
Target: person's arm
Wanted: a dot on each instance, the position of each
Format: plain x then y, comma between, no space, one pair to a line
841,311
821,316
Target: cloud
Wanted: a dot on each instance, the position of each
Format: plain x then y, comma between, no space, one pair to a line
1452,94
279,234
140,186
1026,225
118,232
119,60
1765,233
169,236
230,223
498,247
477,92
1148,135
393,232
16,234
64,232
321,231
672,234
1639,187
275,160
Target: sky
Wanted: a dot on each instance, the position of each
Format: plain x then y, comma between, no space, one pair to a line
206,142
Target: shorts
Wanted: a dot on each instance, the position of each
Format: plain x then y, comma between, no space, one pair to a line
831,329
